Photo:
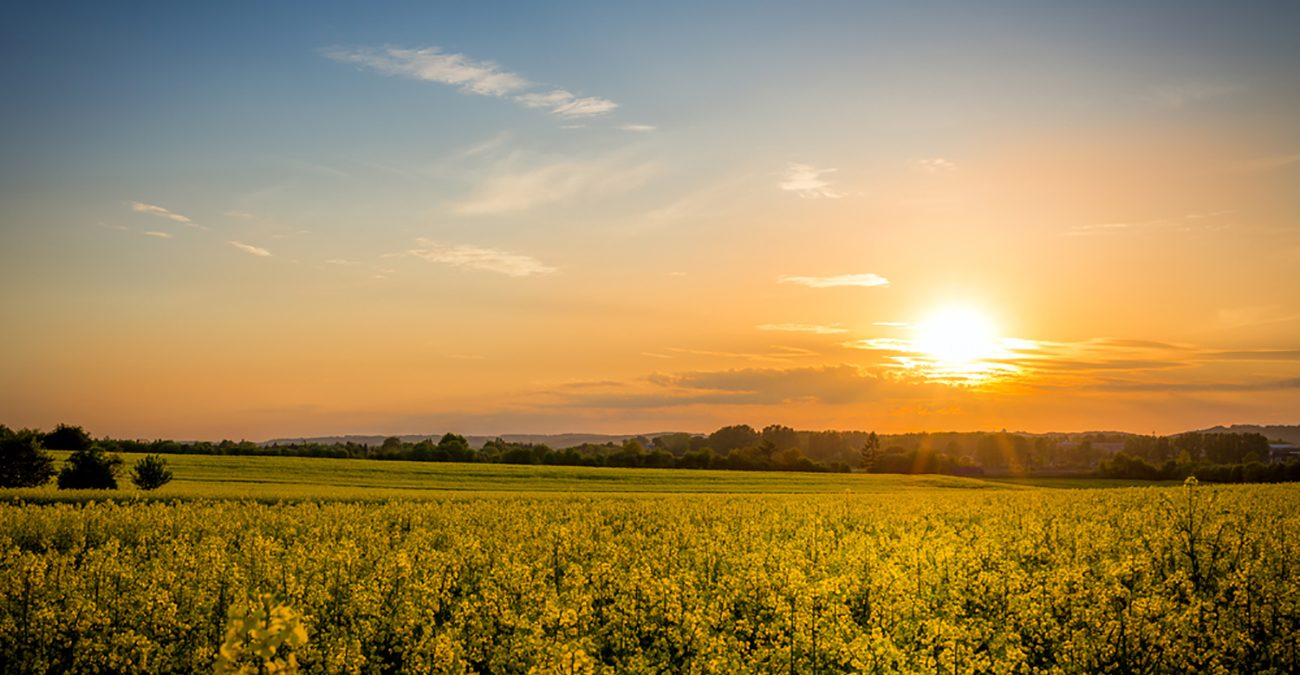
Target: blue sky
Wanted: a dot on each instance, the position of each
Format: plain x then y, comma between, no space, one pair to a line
610,180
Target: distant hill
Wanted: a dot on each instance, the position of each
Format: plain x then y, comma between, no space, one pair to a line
552,440
1287,432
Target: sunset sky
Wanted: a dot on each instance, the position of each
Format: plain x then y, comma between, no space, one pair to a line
225,220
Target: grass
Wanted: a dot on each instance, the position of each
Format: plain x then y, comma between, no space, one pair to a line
275,478
301,478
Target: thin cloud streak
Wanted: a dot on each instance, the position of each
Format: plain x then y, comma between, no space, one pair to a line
802,328
250,249
480,258
161,212
159,235
807,182
483,78
553,183
936,165
867,280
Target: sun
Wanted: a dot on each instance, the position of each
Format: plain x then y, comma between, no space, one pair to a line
957,336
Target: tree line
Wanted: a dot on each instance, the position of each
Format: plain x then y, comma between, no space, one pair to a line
1213,457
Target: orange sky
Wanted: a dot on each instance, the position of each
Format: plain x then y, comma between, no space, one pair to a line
437,230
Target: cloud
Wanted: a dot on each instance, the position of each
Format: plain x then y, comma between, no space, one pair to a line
777,354
552,183
565,104
1188,222
433,65
341,261
806,181
1097,228
1179,95
484,78
1256,355
802,328
1209,387
250,249
864,280
160,235
155,210
936,165
480,258
828,385
638,127
487,146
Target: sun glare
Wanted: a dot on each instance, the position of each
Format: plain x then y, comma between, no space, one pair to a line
957,336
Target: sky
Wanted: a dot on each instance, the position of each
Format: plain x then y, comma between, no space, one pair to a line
239,220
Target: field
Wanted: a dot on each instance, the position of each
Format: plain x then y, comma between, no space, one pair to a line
535,569
277,478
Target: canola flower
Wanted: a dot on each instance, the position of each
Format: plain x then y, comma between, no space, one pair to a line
1129,580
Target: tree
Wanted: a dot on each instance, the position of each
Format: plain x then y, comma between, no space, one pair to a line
870,450
734,437
65,437
781,436
23,462
90,469
150,473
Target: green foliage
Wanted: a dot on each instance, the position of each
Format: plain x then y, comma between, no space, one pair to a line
261,637
90,469
150,473
23,462
65,437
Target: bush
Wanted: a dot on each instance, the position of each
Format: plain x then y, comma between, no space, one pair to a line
150,473
23,462
65,437
90,469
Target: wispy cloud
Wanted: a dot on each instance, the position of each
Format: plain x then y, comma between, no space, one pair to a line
565,104
828,385
936,165
433,65
480,258
515,191
1097,228
864,280
1182,94
341,261
638,127
155,233
487,146
155,210
775,354
473,76
807,182
250,249
802,328
1189,222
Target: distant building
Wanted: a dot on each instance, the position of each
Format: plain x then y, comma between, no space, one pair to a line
1283,452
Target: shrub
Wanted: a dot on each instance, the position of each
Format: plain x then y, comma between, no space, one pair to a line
150,473
66,437
90,469
23,462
